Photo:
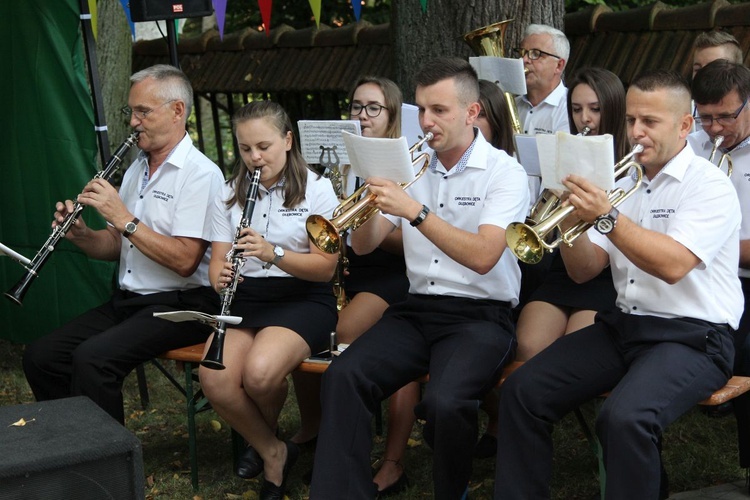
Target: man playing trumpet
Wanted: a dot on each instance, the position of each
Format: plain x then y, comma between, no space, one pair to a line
673,246
456,321
721,90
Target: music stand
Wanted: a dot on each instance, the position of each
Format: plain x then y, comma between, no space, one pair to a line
5,250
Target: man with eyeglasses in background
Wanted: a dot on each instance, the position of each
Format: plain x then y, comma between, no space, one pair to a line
721,90
545,52
158,226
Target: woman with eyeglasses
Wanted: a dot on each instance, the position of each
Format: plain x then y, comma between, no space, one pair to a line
372,282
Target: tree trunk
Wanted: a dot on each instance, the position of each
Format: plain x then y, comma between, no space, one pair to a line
418,36
114,56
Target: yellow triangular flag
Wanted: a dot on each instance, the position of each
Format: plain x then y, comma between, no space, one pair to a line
315,6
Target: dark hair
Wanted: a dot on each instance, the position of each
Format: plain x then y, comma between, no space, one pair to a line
717,79
295,170
717,38
611,94
442,68
494,107
393,99
659,79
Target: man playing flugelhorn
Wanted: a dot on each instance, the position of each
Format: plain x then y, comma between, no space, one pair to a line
673,247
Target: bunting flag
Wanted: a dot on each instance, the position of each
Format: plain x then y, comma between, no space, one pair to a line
92,11
315,6
265,14
126,7
220,7
357,7
424,5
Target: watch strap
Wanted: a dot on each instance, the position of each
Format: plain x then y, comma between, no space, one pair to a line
421,216
134,222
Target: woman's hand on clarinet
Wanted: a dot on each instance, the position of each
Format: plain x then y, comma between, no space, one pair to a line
253,244
225,277
62,210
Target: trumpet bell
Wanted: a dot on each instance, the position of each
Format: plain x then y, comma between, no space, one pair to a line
323,234
524,242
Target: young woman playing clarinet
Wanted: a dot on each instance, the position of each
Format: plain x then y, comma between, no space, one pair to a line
596,99
285,296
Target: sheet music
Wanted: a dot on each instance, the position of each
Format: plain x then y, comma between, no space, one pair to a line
206,319
527,153
4,250
410,123
506,72
562,154
327,133
387,158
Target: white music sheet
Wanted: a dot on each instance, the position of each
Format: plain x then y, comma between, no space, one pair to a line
562,154
387,158
327,133
506,72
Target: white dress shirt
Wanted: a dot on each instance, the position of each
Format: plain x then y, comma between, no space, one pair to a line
547,117
691,201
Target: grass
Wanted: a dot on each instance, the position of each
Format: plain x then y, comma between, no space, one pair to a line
698,451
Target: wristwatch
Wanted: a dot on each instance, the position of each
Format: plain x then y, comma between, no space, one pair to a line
278,254
421,216
130,227
607,222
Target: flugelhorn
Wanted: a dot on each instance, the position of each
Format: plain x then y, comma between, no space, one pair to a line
527,242
725,156
214,357
351,213
488,41
17,293
547,201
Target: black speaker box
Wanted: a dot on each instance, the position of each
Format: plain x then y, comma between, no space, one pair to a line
157,10
68,449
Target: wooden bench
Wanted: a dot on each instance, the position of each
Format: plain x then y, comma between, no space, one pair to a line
191,357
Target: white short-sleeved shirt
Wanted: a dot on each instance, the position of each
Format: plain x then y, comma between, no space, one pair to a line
547,117
702,145
280,226
491,189
691,201
176,201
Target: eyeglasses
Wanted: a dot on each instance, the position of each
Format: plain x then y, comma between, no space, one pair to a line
141,115
533,54
723,120
372,110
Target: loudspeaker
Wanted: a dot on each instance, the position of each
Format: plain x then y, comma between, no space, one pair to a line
157,10
68,449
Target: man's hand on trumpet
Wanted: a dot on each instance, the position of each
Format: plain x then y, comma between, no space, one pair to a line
392,199
590,201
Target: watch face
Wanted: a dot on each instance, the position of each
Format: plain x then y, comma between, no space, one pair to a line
130,227
604,225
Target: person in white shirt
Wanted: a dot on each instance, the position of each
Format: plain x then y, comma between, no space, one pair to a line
721,90
545,51
284,298
456,322
673,247
158,229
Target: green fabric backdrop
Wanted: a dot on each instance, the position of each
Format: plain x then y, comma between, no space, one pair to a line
47,153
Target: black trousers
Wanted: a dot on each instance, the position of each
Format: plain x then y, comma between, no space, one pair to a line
742,367
92,354
656,370
462,343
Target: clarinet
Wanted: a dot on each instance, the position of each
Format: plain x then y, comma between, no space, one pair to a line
215,355
17,293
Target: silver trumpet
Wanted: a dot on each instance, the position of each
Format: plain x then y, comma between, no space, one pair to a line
724,157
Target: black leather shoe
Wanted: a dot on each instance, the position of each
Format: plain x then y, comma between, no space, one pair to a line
250,464
399,486
270,491
486,447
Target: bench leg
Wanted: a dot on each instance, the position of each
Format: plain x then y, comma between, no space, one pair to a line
191,410
140,374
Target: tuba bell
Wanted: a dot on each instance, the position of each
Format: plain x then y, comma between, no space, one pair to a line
353,212
488,41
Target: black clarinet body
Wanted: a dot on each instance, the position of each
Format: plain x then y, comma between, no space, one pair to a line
215,354
17,293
